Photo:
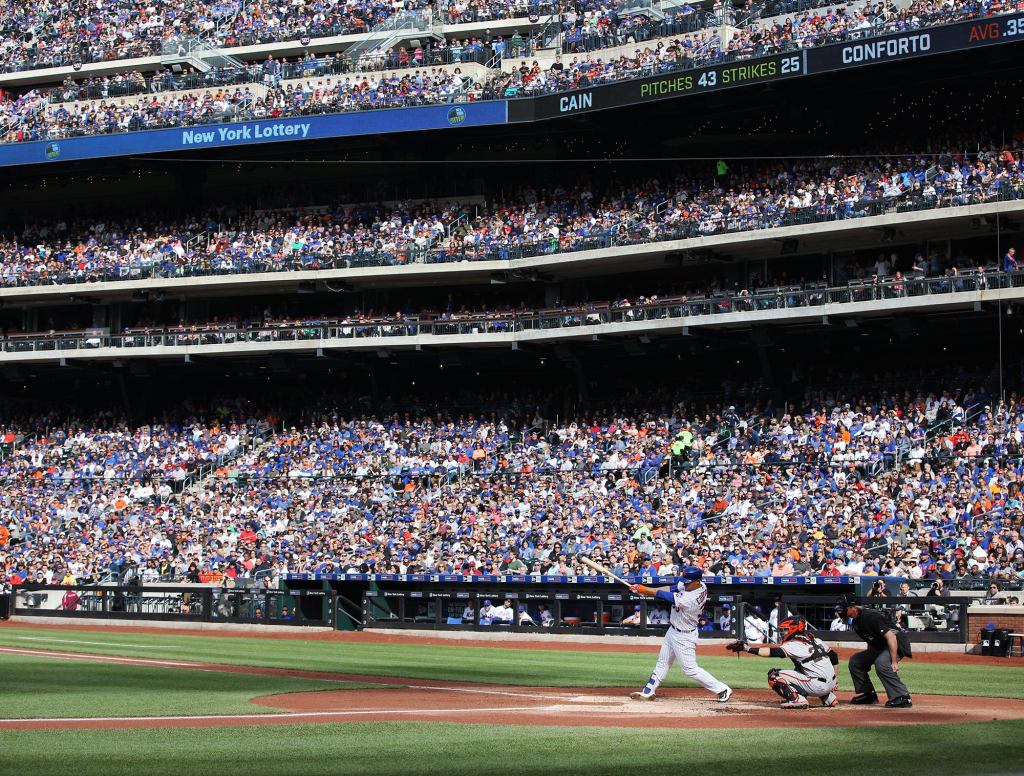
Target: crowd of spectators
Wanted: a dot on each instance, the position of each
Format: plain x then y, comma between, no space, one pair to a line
58,33
889,276
914,485
107,448
805,30
30,119
530,222
121,108
578,36
55,33
271,73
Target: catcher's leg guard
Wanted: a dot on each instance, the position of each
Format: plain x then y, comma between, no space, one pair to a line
777,683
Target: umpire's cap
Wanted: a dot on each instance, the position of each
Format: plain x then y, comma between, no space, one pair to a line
845,601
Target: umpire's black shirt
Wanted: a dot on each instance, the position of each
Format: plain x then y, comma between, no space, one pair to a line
872,625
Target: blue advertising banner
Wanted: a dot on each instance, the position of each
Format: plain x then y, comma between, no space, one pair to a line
247,133
561,580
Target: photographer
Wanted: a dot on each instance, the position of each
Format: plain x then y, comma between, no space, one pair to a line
878,590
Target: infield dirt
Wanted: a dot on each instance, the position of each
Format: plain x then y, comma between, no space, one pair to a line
465,702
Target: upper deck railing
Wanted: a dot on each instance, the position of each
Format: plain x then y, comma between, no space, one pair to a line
777,298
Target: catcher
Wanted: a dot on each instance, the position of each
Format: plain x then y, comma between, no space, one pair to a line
814,665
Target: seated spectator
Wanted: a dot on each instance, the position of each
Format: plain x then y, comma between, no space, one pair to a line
725,622
634,618
487,612
546,618
839,621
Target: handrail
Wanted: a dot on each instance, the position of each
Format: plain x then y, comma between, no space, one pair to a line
207,468
252,74
533,470
514,322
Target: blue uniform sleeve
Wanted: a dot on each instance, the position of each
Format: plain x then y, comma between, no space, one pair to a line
666,595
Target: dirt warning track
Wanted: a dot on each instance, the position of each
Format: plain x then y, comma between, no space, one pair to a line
464,702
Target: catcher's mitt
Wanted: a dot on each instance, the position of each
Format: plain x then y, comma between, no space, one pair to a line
736,646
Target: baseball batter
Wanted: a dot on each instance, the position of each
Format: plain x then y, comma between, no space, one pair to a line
687,601
814,665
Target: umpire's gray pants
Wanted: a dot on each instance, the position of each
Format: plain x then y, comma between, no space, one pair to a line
860,664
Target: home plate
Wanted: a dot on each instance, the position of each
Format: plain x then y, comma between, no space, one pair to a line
675,706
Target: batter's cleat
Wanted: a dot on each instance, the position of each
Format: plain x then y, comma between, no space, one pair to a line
864,699
800,702
642,696
899,702
725,695
829,701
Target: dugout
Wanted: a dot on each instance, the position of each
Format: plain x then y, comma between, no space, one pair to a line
177,603
572,604
925,619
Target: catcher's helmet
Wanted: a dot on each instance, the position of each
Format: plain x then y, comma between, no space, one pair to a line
792,626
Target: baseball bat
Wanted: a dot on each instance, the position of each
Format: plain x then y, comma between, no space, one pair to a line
601,569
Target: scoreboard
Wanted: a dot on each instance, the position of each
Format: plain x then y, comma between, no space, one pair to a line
826,58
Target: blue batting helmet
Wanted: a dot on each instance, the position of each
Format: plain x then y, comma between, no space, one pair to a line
693,573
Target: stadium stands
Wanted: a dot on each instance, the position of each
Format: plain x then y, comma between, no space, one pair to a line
916,485
153,338
35,115
539,223
129,290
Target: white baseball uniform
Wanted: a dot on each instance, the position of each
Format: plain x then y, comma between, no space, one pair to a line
813,674
680,643
755,630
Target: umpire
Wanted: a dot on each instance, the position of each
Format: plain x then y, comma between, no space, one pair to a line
886,645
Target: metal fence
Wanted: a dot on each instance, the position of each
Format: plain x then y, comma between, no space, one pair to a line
219,77
177,603
567,609
925,619
685,308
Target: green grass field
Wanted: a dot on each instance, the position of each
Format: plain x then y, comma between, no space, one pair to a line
423,749
46,687
541,668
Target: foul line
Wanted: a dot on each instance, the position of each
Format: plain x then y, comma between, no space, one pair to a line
506,693
256,670
95,643
103,658
269,715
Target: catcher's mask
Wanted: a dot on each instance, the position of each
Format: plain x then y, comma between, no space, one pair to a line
792,626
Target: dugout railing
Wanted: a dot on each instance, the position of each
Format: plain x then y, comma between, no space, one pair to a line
588,610
926,619
178,603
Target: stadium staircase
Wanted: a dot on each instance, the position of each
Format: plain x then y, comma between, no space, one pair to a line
417,27
655,10
550,35
197,53
208,471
